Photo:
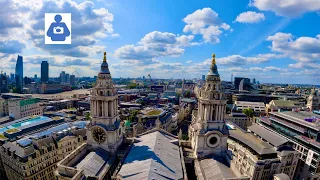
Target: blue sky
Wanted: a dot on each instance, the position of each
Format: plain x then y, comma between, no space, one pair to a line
271,40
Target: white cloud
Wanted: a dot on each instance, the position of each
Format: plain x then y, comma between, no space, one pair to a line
250,17
153,45
206,23
288,8
237,60
302,49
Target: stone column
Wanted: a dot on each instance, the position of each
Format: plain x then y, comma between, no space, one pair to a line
106,108
115,107
99,108
221,116
210,113
102,105
95,108
91,107
220,109
199,110
111,105
205,113
217,112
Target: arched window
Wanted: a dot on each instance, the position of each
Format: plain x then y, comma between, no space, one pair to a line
101,93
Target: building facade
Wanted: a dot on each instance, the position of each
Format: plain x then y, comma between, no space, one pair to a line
303,130
36,157
49,88
258,159
3,83
237,82
44,71
239,119
3,107
257,107
20,108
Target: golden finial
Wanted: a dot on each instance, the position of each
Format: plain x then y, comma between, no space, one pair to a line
213,58
104,57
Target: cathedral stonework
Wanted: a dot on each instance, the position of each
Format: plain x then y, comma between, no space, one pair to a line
105,130
313,101
208,132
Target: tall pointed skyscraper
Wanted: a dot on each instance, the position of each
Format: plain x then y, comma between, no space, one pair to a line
19,74
208,132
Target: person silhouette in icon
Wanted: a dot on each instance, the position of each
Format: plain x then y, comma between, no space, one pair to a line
58,31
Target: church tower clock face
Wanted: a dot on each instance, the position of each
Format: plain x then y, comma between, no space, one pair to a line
98,134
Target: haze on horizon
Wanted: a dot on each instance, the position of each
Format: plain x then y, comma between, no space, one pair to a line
251,38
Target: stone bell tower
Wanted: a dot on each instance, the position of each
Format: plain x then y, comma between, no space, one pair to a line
105,130
208,132
313,101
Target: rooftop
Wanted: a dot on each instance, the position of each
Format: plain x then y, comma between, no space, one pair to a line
213,169
154,156
94,162
24,123
248,103
269,136
303,118
283,103
259,146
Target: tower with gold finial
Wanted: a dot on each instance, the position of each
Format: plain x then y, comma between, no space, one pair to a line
208,132
313,101
213,59
105,130
105,57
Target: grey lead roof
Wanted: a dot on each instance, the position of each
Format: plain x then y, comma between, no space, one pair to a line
269,136
94,162
212,169
258,145
153,157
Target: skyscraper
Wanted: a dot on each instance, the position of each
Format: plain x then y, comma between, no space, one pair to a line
19,74
237,80
254,81
63,76
3,83
72,80
44,71
11,77
67,78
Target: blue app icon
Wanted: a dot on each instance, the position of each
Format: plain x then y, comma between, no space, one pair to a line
58,31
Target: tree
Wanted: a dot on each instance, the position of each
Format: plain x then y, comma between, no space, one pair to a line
248,112
88,116
132,86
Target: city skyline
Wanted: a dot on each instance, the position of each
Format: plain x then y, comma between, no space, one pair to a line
255,39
